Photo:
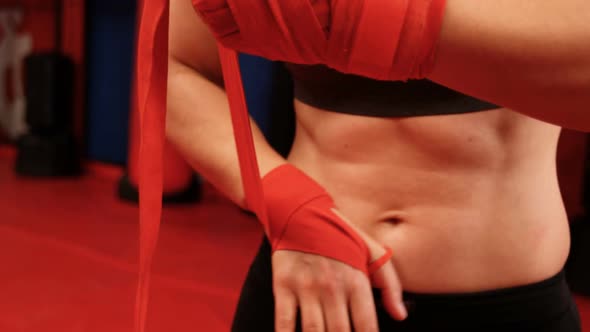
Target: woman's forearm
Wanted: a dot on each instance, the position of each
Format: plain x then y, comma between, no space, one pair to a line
199,125
531,56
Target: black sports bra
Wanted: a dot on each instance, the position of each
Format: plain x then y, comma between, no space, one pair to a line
327,89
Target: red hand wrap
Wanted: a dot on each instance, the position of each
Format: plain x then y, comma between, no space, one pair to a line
300,218
378,263
380,39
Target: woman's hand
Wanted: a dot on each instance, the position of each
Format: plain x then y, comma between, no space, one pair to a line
332,296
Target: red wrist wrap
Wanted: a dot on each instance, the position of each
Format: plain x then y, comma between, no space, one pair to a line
380,39
300,218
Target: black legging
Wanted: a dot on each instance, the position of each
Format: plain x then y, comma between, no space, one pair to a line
546,306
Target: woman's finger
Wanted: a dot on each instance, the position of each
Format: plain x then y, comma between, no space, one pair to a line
335,307
387,281
384,278
285,309
362,306
312,316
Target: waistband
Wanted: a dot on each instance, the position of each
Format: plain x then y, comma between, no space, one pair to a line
541,300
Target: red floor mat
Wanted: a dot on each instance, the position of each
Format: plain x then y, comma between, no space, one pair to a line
69,250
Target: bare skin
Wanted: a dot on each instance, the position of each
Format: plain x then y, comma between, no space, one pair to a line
531,56
467,202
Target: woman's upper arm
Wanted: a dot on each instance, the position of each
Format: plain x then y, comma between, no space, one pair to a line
191,44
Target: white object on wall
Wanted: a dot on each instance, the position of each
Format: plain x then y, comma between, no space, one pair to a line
14,47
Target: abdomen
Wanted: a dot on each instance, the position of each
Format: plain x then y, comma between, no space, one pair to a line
467,202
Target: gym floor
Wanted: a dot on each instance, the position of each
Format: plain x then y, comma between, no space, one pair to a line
69,250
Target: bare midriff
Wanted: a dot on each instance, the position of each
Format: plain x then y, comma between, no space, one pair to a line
468,202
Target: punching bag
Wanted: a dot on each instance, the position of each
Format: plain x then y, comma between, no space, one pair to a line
49,148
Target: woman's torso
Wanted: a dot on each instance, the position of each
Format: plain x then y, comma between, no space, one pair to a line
466,201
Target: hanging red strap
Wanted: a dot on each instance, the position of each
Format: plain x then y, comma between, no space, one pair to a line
243,133
151,77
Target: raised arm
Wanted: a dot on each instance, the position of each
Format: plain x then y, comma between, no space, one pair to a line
531,56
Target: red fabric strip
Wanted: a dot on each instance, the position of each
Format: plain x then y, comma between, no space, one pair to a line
377,264
301,27
152,73
434,22
345,17
377,37
243,133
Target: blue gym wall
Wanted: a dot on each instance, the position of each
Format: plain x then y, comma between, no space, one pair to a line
110,46
257,75
110,35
